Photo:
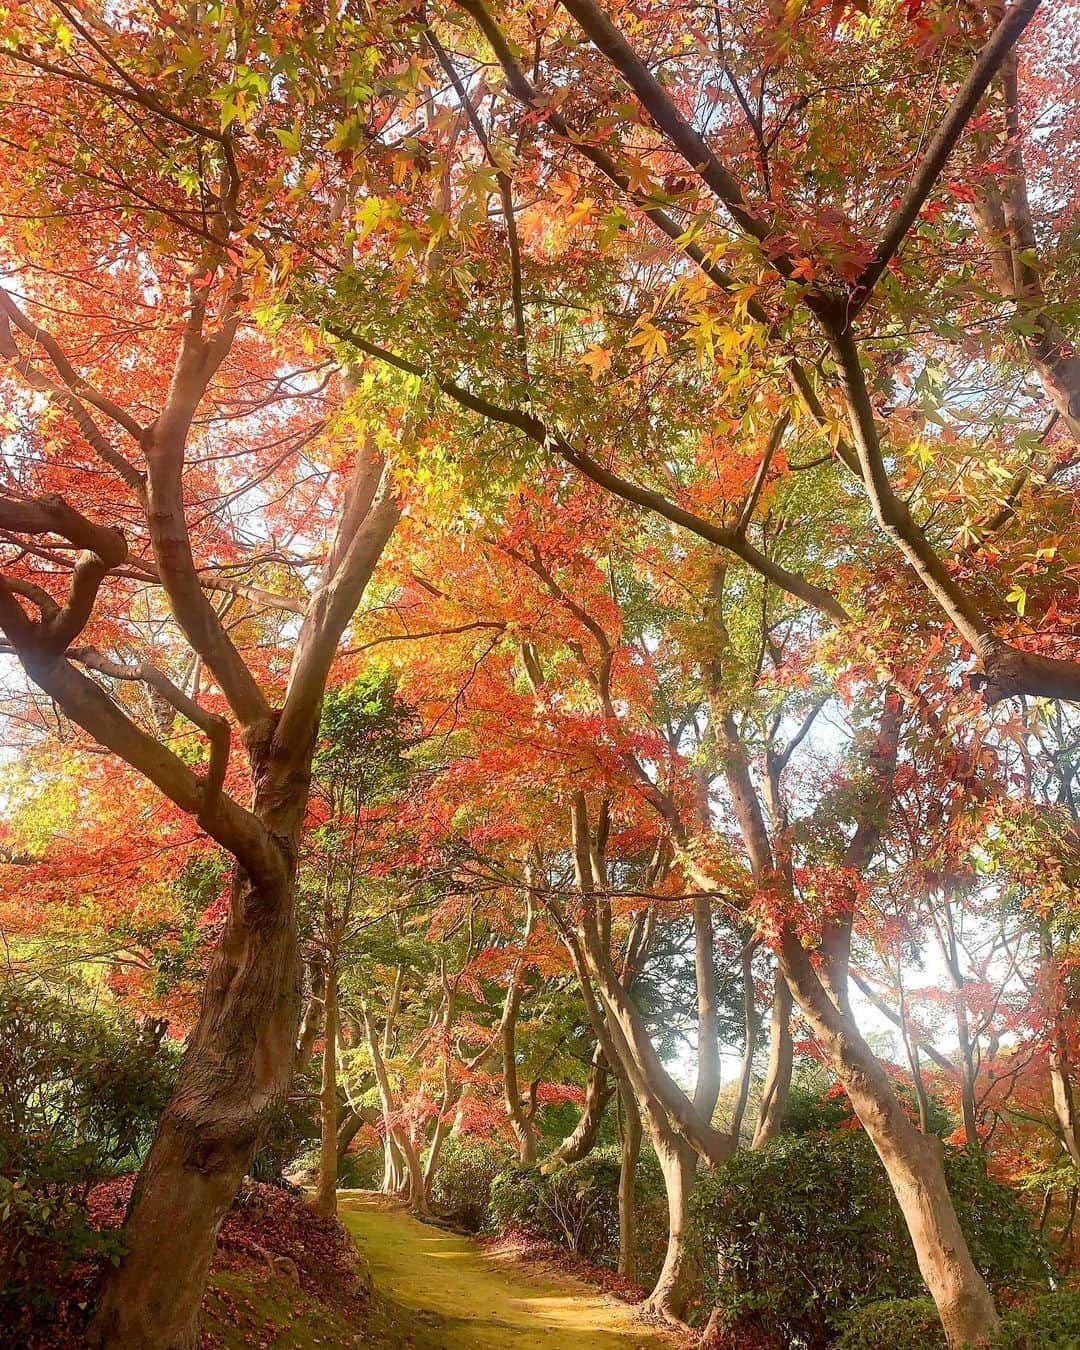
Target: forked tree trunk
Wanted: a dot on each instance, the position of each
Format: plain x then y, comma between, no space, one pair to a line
630,1122
233,1076
325,1201
393,1180
913,1161
777,1085
397,1137
582,1138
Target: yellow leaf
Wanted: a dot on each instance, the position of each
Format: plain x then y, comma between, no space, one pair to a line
598,359
650,339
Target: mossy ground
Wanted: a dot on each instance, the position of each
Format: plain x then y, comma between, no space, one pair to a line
454,1293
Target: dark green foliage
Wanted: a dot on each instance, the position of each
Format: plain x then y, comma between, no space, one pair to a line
80,1094
1052,1322
809,1110
361,1168
797,1234
463,1178
364,734
814,1106
577,1207
891,1324
291,1128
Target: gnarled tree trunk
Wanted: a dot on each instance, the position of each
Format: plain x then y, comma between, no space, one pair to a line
235,1073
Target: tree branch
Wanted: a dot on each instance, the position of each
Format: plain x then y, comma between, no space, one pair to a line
948,132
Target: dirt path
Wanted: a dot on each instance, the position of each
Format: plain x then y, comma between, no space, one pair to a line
464,1297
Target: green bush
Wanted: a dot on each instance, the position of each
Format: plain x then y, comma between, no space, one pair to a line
80,1095
463,1180
891,1324
577,1207
1051,1323
801,1232
361,1168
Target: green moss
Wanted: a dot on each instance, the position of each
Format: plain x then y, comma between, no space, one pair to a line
458,1295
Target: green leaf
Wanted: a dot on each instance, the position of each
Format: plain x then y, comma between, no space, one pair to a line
288,139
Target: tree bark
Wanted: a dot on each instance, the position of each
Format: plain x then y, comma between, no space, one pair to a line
314,1013
397,1135
348,1130
630,1122
1002,217
325,1201
777,1085
1058,1052
580,1141
751,1024
678,1164
520,1120
234,1075
912,1161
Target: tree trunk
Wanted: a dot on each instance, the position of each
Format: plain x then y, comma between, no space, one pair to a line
777,1085
393,1181
1058,1051
751,1024
520,1120
234,1075
396,1135
347,1131
913,1161
967,1068
314,1013
580,1141
431,1164
630,1121
674,1285
678,1158
325,1201
911,1046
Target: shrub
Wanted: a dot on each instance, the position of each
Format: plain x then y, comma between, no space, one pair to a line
1051,1323
361,1167
891,1324
800,1232
80,1095
463,1178
577,1207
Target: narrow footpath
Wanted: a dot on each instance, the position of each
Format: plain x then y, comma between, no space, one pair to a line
463,1296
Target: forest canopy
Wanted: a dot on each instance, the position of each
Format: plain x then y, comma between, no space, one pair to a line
540,650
